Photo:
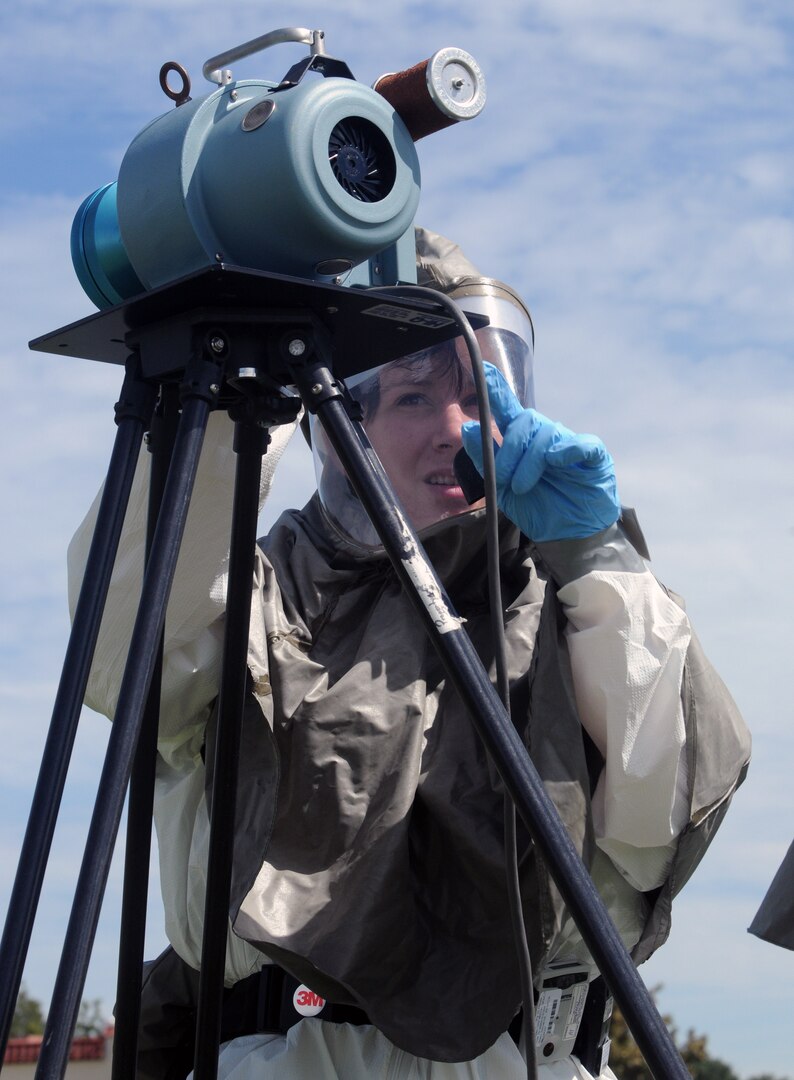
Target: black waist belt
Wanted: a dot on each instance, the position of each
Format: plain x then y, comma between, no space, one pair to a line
272,1001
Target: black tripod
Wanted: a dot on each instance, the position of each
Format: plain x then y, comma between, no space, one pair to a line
234,339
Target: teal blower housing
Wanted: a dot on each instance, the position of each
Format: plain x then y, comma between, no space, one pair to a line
316,176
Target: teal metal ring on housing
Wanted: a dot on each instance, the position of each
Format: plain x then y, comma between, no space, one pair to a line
99,257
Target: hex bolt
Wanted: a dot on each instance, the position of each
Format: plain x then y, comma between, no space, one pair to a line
246,373
214,388
317,388
217,344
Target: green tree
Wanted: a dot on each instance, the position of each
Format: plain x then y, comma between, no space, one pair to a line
90,1019
696,1058
625,1058
28,1017
711,1069
628,1063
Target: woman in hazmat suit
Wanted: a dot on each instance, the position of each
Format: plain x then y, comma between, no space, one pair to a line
370,932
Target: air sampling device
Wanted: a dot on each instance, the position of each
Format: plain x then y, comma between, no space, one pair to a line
314,176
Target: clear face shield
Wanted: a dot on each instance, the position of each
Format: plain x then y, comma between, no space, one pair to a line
413,409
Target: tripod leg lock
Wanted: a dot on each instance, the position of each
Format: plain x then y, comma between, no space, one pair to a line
316,383
137,398
250,437
202,379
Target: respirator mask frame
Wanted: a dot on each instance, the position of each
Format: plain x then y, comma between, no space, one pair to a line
412,411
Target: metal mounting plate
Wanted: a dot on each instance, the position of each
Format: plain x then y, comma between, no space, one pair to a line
366,327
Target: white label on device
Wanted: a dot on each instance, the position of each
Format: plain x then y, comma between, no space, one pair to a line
546,1012
578,998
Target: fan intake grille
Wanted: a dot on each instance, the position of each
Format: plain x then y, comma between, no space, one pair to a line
362,159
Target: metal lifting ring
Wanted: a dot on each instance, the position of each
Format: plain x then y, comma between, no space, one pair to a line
178,96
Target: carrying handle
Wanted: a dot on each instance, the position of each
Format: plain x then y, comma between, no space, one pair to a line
216,71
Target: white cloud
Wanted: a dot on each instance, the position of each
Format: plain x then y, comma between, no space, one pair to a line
767,173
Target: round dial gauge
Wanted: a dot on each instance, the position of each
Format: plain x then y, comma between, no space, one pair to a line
456,83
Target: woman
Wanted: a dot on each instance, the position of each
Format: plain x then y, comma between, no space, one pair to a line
369,862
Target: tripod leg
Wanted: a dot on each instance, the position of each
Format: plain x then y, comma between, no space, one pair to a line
250,443
201,382
141,798
133,412
462,665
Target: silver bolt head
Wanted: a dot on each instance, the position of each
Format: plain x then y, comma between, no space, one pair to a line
246,373
214,388
297,347
317,388
217,344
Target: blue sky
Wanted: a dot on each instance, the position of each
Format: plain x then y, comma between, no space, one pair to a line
631,177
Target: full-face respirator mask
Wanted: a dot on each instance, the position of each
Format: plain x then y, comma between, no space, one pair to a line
412,409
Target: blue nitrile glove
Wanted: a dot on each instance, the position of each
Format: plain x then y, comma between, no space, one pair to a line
551,483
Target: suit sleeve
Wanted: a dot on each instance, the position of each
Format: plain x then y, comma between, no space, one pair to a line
628,642
194,622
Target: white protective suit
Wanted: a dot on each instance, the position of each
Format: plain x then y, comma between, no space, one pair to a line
627,641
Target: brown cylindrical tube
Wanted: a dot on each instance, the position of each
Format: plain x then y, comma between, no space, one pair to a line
407,93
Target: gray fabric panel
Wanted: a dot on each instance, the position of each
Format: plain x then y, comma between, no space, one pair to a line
608,549
167,1025
692,846
257,794
774,920
440,262
383,880
718,747
634,534
721,739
